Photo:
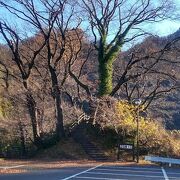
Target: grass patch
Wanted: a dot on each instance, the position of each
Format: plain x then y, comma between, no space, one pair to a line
64,150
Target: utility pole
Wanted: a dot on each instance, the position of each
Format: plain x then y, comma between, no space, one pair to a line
137,102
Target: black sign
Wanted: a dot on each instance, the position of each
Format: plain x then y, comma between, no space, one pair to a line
126,146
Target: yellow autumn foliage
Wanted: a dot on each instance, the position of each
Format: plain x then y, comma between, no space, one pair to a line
126,116
153,136
121,116
5,108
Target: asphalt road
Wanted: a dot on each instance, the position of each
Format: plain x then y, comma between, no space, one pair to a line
101,172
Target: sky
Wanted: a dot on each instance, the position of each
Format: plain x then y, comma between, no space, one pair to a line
168,26
163,28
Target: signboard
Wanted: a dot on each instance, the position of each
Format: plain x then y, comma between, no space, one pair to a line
126,146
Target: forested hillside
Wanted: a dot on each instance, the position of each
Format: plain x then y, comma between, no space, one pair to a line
62,63
165,76
166,105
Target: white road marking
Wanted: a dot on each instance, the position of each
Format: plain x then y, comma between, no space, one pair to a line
174,173
127,170
11,167
135,168
79,177
164,173
86,171
119,174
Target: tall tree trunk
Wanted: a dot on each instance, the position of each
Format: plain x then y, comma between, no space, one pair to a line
57,99
105,76
106,57
40,116
31,104
22,138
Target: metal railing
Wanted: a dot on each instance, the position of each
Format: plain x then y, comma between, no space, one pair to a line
162,160
82,117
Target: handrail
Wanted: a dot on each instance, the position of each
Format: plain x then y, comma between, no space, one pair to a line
82,117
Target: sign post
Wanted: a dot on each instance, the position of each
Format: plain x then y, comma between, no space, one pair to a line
126,147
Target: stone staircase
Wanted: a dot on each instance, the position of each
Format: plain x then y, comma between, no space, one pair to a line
91,149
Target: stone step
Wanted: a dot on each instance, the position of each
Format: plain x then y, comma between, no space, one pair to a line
90,148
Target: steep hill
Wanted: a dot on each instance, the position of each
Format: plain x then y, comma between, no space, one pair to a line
168,107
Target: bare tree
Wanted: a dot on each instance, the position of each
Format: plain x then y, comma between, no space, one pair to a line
61,43
25,67
150,70
125,19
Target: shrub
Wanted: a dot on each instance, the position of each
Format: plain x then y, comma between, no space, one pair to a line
154,138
